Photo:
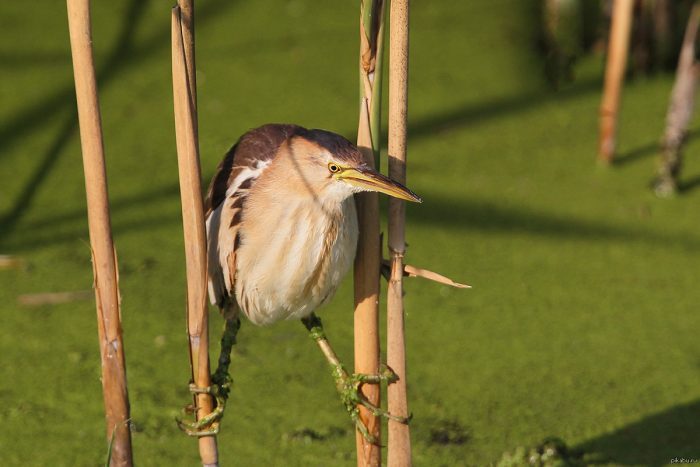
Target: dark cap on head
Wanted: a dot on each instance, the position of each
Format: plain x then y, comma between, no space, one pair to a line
339,147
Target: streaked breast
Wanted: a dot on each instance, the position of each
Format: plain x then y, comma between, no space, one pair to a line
288,268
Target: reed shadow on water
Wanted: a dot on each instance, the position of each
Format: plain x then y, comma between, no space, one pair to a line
647,150
125,54
35,116
451,212
652,150
465,214
689,184
23,200
653,441
473,114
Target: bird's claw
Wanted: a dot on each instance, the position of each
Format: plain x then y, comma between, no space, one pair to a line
351,396
209,424
220,388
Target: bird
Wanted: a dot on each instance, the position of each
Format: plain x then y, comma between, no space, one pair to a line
282,233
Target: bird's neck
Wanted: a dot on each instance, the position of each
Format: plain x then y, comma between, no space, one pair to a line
283,183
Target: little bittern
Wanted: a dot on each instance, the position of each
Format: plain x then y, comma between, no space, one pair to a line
282,232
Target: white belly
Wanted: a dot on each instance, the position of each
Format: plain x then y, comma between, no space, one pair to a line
287,270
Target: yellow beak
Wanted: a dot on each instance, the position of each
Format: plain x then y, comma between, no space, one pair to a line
369,179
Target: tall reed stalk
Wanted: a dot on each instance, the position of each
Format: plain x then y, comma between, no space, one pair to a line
187,28
368,259
618,48
680,110
399,445
104,260
192,216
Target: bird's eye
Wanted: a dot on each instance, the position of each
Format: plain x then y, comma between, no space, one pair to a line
334,168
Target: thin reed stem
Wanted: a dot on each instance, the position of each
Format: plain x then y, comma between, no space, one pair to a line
368,259
114,386
193,223
618,48
680,110
399,437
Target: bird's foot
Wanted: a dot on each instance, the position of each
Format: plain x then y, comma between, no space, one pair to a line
220,388
349,389
209,424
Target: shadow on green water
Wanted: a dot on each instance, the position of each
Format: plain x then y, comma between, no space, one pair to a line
125,54
653,441
449,212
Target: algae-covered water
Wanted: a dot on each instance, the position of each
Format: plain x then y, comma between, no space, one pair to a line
583,319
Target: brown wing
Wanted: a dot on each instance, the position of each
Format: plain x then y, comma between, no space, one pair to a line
225,202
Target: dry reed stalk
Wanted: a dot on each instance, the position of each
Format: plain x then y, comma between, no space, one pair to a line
10,262
193,226
367,261
618,46
680,110
187,24
399,435
104,259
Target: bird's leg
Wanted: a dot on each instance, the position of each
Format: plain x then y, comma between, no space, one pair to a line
220,388
348,385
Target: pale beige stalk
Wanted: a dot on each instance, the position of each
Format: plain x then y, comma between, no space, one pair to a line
399,436
618,47
193,225
368,258
187,22
104,260
680,110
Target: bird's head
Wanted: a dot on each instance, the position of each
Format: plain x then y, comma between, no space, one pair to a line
333,167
